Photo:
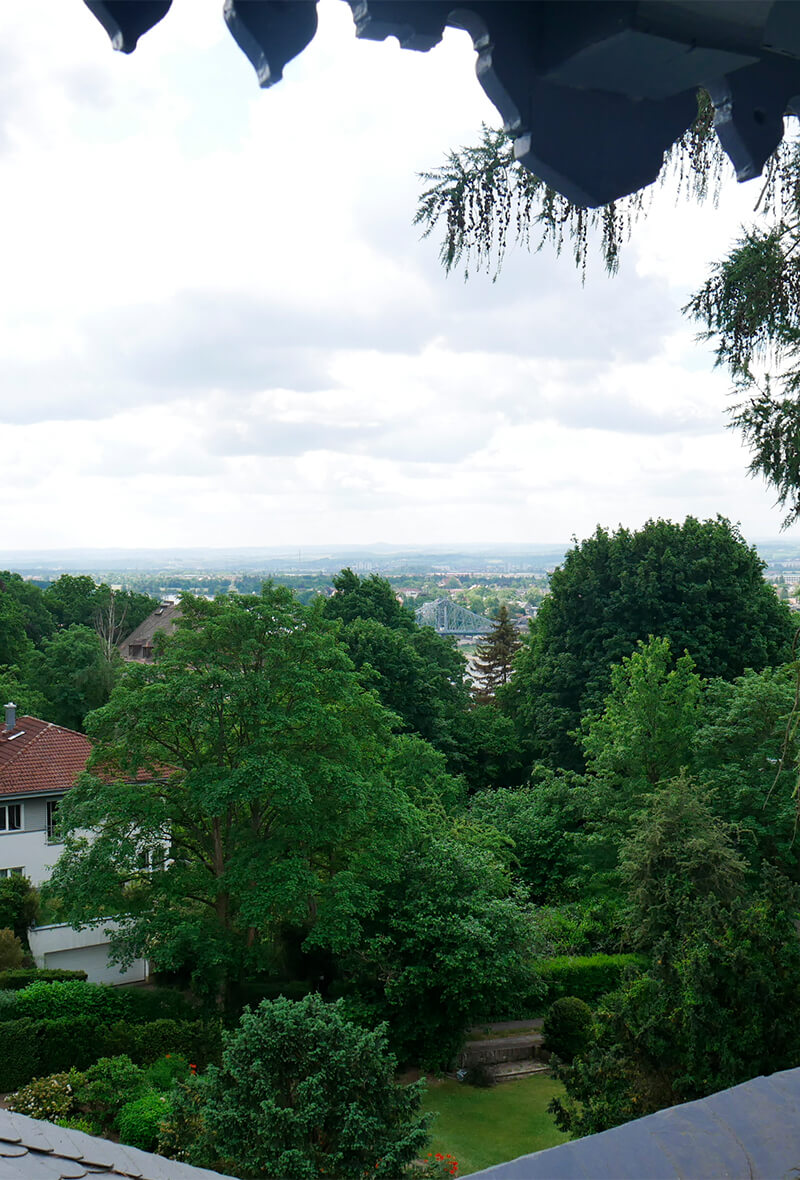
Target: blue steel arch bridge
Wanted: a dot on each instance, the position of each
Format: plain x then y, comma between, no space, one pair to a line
448,618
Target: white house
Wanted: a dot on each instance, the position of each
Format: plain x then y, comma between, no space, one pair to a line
39,763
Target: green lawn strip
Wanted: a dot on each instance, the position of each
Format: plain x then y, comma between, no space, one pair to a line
485,1127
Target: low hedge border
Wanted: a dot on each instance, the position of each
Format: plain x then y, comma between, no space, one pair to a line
16,978
37,1048
589,977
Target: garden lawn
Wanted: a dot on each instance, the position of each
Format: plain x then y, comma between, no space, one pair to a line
485,1127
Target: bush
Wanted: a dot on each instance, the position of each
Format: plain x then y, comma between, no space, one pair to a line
11,953
140,1121
170,1068
199,1041
480,1076
47,1098
73,999
19,905
19,1061
107,1086
568,1027
34,1048
587,977
79,1124
14,980
301,1092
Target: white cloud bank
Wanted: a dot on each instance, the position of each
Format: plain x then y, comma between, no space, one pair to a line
218,325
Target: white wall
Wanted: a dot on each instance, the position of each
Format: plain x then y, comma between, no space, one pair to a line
30,852
63,948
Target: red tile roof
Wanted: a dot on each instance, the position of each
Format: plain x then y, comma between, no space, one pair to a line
37,756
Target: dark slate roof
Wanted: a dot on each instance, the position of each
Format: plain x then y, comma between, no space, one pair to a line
750,1132
593,93
164,618
34,1150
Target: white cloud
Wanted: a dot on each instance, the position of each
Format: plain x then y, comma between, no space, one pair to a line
219,326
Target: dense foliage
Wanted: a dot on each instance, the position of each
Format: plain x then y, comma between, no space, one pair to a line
307,801
697,584
58,646
301,1092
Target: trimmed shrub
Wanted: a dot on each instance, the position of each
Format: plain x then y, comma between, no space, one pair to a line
568,1027
19,1061
107,1086
140,1121
11,953
35,1048
78,1124
14,980
197,1040
71,999
47,1098
587,977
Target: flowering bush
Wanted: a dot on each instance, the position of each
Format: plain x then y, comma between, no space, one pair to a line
437,1167
47,1098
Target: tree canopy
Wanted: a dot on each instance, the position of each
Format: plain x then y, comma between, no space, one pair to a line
697,584
238,784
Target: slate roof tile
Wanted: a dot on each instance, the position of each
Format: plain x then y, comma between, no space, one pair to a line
31,1149
749,1132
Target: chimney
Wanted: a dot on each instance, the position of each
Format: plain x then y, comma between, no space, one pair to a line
11,717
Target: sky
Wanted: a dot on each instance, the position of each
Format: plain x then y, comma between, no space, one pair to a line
219,326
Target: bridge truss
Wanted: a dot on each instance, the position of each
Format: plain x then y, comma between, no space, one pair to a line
448,618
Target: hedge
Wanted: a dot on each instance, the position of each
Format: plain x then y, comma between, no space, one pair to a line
36,1048
586,976
14,979
43,999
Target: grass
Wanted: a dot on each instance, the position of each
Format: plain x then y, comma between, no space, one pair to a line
485,1127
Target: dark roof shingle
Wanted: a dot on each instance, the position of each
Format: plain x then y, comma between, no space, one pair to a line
34,1150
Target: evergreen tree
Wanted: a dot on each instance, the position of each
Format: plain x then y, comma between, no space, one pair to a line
495,657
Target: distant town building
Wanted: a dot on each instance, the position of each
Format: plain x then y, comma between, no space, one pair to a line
138,646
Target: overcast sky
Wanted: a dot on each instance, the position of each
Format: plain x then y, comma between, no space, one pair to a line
218,325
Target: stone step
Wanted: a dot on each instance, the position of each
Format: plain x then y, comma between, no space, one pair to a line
512,1071
502,1049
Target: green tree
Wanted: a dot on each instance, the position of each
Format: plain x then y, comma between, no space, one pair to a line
446,946
745,753
721,1008
485,748
15,688
679,868
71,600
697,584
73,675
366,598
644,733
241,788
546,822
302,1092
495,656
19,905
113,614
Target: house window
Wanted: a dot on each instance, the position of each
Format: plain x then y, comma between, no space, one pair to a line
53,836
11,872
11,817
